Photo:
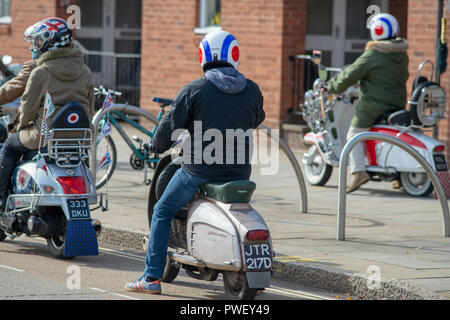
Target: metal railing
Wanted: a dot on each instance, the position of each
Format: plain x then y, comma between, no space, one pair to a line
295,166
402,145
140,112
120,71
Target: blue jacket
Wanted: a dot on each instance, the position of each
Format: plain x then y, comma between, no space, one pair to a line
220,112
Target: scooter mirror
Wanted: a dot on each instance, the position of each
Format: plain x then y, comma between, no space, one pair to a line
323,73
317,57
6,60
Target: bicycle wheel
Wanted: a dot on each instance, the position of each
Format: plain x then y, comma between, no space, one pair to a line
104,174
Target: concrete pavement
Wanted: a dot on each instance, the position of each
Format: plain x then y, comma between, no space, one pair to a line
394,247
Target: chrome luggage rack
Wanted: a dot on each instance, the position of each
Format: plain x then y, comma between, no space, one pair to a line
69,152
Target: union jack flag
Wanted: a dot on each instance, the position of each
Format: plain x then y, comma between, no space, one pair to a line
108,102
41,162
105,161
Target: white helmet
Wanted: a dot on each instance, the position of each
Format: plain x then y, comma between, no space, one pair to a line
383,26
218,48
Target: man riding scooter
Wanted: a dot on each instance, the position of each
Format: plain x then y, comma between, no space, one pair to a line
222,100
60,70
382,72
15,87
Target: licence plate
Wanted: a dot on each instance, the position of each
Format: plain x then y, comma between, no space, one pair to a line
78,209
439,161
257,256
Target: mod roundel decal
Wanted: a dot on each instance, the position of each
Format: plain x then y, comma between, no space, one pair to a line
379,30
72,118
235,53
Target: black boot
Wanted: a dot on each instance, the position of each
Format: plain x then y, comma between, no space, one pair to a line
6,170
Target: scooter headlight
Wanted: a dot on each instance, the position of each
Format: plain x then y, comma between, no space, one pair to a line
316,85
309,97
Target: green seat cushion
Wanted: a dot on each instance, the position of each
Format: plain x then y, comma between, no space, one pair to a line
239,191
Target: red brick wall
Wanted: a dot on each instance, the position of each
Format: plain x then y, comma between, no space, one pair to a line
267,31
23,13
169,49
422,45
399,9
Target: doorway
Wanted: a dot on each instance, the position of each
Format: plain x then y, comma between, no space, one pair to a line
111,33
339,28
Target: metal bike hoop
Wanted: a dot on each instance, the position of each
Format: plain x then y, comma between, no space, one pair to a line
149,116
99,115
402,145
295,166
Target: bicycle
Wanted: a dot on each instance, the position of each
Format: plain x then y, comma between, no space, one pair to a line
140,159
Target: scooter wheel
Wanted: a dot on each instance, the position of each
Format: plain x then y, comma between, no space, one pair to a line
2,235
416,184
56,246
317,172
236,286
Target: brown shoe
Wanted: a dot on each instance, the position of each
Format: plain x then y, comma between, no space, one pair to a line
359,178
396,184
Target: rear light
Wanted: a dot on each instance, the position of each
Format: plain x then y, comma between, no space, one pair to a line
438,149
257,235
72,185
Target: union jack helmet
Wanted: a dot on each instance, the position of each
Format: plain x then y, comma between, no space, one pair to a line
383,26
49,34
219,48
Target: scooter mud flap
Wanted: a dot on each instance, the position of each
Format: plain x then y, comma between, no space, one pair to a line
258,279
81,239
444,179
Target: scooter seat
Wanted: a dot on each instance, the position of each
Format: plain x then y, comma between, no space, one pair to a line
239,191
400,118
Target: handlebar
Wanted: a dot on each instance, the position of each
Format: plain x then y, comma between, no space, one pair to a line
310,58
101,90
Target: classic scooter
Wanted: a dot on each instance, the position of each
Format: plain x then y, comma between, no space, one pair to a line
217,232
328,116
50,195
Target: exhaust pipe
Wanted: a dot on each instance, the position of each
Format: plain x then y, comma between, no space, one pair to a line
97,226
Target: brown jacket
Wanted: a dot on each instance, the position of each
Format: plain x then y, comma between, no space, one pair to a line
14,88
63,73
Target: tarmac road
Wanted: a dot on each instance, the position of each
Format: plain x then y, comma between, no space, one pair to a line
29,272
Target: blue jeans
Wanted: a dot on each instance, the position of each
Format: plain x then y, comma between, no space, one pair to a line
180,191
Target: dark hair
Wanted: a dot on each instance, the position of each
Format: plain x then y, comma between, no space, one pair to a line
216,64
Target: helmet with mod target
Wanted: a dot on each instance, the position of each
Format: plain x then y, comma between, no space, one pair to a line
49,34
219,49
383,26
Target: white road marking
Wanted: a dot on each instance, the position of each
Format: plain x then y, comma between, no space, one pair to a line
114,293
122,254
11,268
274,289
297,293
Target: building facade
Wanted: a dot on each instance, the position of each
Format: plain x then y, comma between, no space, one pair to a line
164,36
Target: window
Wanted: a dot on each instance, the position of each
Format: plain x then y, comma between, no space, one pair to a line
209,16
5,15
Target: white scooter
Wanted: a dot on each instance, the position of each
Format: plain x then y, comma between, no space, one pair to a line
51,199
218,232
328,116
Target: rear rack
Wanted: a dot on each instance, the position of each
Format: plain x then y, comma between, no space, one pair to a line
69,152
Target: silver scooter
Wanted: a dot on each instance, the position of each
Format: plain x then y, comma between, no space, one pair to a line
217,232
50,197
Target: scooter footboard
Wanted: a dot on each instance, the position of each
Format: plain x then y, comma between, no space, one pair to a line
80,239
